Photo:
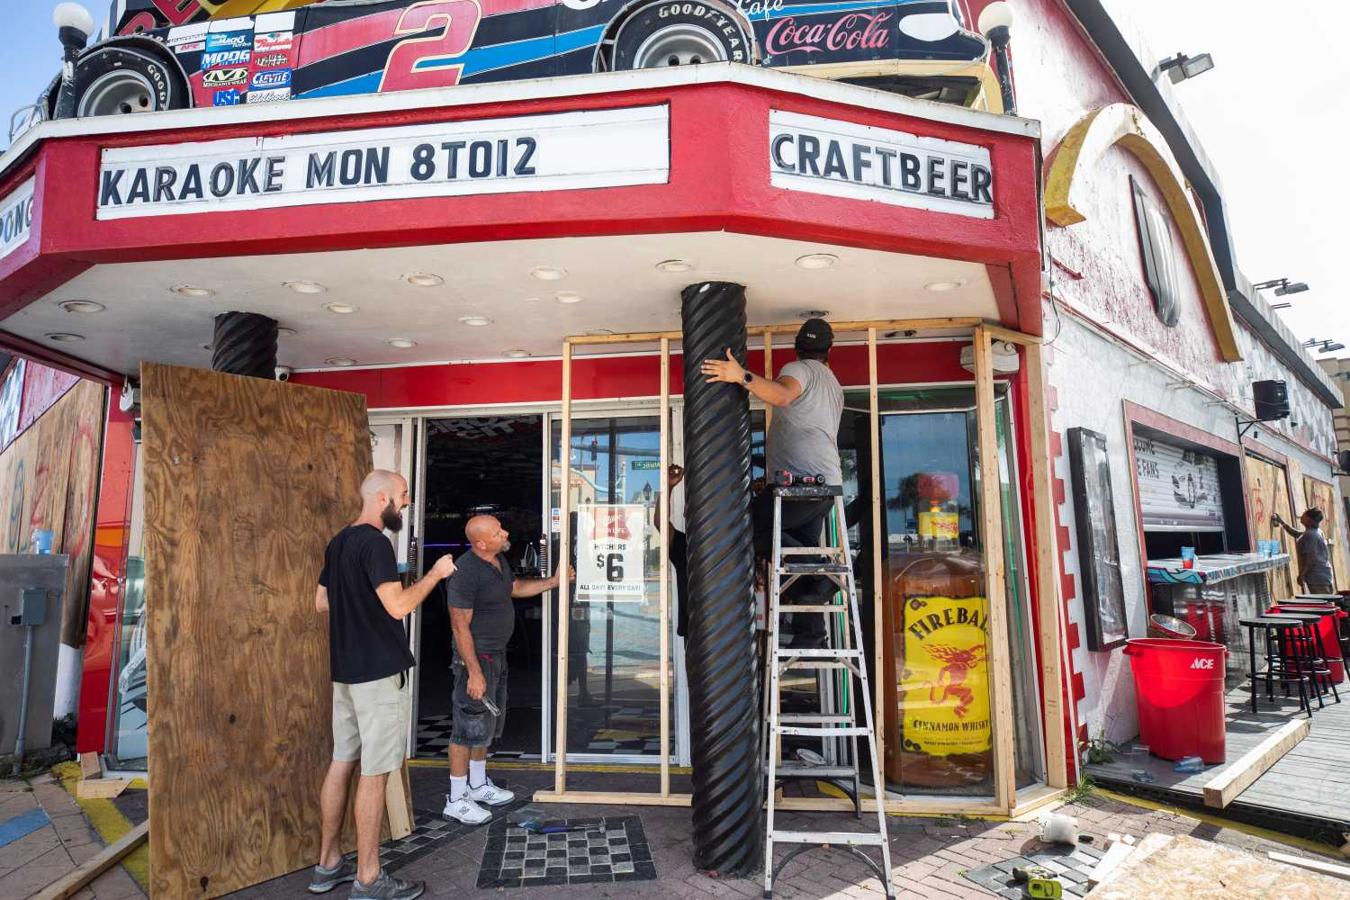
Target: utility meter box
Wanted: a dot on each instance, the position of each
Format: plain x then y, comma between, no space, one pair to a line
31,588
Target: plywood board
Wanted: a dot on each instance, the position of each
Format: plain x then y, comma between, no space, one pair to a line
1267,495
1323,496
47,479
101,788
1236,777
245,482
1192,869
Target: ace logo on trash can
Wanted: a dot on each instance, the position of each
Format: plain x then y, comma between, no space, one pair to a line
610,560
1201,663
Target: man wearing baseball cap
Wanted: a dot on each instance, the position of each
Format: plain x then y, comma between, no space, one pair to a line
803,439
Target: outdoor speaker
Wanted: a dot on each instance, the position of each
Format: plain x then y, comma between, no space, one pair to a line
1272,400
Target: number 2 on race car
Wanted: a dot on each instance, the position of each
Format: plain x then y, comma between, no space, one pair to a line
421,62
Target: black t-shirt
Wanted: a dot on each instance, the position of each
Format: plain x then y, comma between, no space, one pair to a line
365,643
486,589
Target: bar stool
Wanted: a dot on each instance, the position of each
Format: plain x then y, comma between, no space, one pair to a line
1276,631
1307,655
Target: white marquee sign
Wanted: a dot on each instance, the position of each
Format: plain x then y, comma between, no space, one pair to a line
558,152
16,218
862,162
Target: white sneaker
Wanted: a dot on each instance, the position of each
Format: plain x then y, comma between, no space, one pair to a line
489,793
465,811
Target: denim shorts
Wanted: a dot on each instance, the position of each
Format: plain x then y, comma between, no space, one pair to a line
474,725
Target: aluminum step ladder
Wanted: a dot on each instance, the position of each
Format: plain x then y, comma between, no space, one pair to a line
837,566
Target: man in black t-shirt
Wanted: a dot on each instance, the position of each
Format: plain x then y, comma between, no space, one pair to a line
482,619
360,591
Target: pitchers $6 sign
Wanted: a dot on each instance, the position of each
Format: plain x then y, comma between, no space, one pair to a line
610,564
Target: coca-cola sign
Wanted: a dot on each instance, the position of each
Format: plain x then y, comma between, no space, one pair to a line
851,32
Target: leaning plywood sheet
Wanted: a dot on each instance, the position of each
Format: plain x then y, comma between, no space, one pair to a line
245,482
1189,869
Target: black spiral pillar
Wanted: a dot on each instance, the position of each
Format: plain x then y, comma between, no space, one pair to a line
245,344
728,791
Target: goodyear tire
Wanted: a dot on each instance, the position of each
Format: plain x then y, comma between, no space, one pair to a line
114,80
679,33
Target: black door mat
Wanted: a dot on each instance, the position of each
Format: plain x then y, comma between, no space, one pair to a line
596,851
1071,865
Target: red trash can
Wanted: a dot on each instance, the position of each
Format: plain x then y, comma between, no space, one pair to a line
1178,687
1327,632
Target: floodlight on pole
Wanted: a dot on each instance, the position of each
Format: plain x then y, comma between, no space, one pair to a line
1181,67
1283,287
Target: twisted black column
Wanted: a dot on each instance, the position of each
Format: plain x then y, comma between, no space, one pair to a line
724,713
245,344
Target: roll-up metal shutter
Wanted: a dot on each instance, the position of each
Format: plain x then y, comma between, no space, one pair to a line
1178,487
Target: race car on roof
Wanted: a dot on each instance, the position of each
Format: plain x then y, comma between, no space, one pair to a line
174,54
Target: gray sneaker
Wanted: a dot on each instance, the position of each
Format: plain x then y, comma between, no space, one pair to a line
387,887
324,880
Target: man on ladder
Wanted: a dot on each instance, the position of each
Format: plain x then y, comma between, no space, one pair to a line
807,483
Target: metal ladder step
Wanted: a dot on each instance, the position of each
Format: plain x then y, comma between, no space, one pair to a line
813,569
814,608
821,731
839,838
802,770
816,653
811,551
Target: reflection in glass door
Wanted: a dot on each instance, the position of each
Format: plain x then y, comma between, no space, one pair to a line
614,654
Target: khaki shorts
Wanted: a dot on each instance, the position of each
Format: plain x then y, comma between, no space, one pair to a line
370,723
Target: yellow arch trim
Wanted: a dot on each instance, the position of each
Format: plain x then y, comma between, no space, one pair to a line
1126,125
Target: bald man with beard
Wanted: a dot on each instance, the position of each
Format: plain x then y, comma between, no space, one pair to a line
365,601
482,619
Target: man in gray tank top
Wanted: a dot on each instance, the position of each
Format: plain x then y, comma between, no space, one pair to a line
804,440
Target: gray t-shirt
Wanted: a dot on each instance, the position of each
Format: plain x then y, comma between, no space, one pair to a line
486,589
1314,557
804,436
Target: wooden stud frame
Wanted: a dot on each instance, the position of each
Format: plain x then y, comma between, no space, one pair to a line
1049,604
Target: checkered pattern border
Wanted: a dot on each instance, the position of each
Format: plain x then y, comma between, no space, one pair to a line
596,851
1070,865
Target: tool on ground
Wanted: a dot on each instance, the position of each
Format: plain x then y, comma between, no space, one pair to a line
533,826
787,565
1040,882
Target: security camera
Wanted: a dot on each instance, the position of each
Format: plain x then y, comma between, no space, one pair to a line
130,397
284,373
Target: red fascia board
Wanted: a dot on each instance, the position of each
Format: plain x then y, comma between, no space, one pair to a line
719,184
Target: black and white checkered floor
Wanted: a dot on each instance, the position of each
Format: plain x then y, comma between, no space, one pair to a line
1071,866
432,831
626,736
589,851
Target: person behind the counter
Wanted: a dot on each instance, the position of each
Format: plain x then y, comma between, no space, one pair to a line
804,440
1314,556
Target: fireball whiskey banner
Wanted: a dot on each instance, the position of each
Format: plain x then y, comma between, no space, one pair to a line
944,684
610,564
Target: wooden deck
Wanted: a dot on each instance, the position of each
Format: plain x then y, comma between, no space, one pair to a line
1306,792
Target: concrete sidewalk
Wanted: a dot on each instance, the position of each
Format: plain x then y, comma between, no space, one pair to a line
929,855
44,835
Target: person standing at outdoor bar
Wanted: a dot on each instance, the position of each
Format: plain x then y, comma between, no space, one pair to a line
482,620
1314,556
360,591
804,440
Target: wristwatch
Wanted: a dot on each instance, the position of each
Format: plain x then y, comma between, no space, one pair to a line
748,378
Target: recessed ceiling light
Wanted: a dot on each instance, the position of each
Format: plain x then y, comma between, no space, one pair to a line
339,361
82,306
287,332
306,287
548,273
599,332
817,260
813,313
567,297
516,354
475,321
424,279
675,265
942,287
63,337
342,309
191,290
401,343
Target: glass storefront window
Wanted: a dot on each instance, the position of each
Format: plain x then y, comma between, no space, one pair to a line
614,652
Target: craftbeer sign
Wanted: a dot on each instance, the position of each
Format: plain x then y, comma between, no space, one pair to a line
609,553
945,680
16,218
566,151
842,159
